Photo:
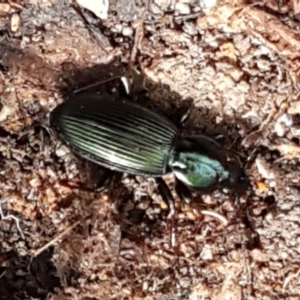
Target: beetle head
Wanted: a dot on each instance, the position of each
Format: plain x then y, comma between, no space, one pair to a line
201,163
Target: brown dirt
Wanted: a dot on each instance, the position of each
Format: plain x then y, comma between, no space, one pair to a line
236,66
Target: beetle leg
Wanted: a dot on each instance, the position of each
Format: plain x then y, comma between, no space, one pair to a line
142,98
138,80
98,186
133,83
167,196
127,84
185,114
183,191
180,116
103,182
97,178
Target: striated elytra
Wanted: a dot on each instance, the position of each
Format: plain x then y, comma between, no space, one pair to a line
121,135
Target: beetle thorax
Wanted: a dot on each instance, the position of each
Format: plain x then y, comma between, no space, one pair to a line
197,170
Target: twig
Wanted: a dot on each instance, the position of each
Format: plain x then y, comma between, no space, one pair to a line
288,279
221,218
11,217
2,274
87,87
139,33
256,137
247,269
59,236
190,16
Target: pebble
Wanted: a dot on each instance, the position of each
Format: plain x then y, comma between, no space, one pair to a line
14,22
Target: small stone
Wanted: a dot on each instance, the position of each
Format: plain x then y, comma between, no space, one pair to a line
35,182
206,4
280,129
263,170
163,205
4,113
272,184
294,108
185,282
145,286
155,9
163,4
99,8
127,31
206,253
190,215
21,273
118,27
102,276
14,22
234,73
4,8
286,119
62,151
182,9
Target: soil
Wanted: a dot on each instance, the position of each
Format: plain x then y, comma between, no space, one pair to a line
235,66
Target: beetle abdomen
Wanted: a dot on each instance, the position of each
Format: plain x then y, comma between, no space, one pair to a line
116,134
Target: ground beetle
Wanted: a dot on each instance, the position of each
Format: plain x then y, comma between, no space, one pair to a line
123,136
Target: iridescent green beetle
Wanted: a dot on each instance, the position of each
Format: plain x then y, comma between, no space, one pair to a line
123,136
